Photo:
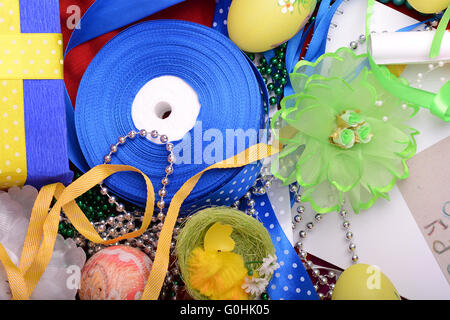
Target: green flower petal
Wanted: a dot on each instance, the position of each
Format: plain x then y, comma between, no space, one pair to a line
388,141
344,170
311,165
315,121
284,166
392,106
343,63
323,198
377,175
396,167
361,198
298,81
296,102
333,93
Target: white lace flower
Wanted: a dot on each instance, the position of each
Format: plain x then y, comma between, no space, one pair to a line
287,5
269,266
255,286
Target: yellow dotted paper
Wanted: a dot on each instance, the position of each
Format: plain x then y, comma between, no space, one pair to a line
31,56
13,164
22,56
9,16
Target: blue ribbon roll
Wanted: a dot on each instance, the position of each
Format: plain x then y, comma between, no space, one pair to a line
228,90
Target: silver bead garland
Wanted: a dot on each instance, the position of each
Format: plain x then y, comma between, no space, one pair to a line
331,274
168,170
261,186
125,222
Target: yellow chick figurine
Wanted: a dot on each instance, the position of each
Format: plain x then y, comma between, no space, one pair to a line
214,270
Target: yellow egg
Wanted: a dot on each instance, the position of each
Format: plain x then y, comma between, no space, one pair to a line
429,6
261,25
364,282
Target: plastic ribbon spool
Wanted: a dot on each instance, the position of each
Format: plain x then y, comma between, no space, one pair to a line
113,88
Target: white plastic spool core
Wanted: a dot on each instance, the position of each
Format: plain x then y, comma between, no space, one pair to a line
166,104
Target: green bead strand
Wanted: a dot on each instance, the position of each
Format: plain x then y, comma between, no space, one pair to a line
69,233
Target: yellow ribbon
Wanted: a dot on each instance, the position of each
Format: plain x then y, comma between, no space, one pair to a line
44,224
22,56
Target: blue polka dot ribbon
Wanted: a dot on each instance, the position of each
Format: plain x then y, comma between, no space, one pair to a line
220,16
290,281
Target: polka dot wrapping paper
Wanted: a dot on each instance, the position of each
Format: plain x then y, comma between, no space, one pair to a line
32,110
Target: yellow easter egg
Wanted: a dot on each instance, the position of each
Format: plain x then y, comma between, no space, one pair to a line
261,25
429,6
364,282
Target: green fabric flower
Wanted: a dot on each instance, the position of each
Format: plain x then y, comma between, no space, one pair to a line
344,136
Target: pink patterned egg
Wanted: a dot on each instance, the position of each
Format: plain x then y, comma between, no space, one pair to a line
115,273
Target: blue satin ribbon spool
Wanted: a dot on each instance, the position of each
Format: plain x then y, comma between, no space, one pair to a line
227,88
102,17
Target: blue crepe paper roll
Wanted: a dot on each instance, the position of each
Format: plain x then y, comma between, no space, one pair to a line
45,120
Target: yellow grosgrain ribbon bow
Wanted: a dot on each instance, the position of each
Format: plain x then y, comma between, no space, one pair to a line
22,56
44,224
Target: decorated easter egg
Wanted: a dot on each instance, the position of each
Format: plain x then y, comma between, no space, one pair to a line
115,273
261,25
429,6
364,282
